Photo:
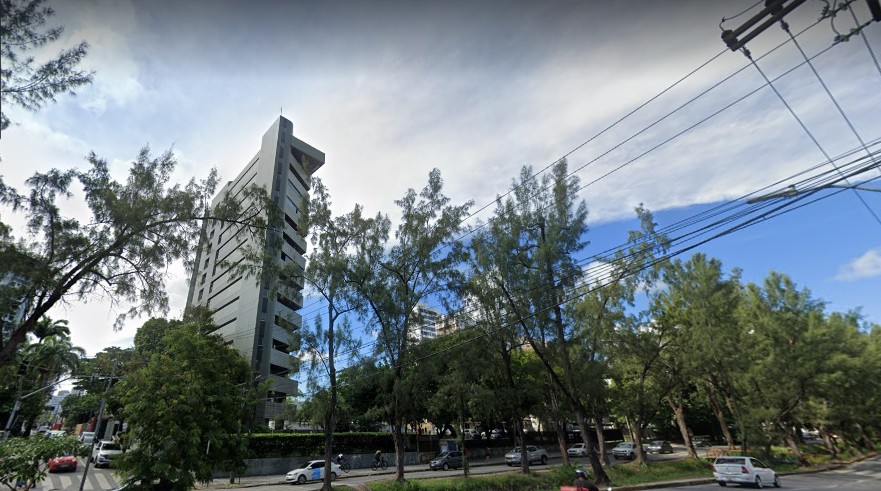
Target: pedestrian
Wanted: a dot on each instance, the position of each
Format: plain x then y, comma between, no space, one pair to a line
488,452
582,482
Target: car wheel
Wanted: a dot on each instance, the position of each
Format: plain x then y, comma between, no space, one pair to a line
301,479
446,466
759,483
722,484
776,481
632,456
544,460
333,476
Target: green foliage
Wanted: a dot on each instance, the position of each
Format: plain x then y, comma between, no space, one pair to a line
200,391
137,229
21,82
27,459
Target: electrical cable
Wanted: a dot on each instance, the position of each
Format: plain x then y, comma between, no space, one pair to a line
850,125
865,39
807,131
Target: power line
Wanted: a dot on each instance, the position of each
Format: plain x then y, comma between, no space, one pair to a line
808,132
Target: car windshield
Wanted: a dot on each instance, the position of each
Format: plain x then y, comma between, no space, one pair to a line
444,454
516,450
658,442
111,446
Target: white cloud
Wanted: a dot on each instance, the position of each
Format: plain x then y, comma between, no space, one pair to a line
866,266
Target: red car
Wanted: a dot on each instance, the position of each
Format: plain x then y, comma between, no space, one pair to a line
65,463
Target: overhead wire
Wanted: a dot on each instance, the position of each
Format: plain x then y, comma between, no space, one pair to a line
807,131
768,82
865,39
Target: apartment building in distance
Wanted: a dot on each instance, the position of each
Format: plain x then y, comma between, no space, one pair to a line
257,319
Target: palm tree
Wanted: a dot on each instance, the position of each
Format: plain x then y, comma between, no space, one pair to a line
47,327
44,363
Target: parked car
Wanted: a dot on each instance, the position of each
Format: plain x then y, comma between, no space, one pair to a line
496,434
446,461
624,450
63,463
700,441
312,471
105,452
533,453
577,450
743,470
56,433
659,446
470,433
87,437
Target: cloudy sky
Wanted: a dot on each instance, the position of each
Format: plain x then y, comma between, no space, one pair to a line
390,90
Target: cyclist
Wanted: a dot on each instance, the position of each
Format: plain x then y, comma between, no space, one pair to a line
378,457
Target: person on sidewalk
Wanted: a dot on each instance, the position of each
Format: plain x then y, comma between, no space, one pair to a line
582,483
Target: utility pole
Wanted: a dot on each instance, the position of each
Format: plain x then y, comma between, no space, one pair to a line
18,400
98,422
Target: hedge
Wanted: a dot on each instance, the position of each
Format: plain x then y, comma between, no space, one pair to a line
263,445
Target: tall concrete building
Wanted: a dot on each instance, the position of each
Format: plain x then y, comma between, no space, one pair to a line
257,319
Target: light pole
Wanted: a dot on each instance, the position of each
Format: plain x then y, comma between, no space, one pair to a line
98,422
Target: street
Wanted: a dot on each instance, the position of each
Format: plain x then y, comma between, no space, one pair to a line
97,480
863,476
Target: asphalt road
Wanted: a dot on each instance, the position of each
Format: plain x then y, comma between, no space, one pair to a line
862,476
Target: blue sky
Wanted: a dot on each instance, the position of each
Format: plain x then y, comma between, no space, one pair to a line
390,90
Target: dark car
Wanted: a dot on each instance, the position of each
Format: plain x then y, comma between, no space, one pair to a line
659,446
446,461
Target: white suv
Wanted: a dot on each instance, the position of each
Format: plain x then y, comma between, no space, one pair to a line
743,470
105,452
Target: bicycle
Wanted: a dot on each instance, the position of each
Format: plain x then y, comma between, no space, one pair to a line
379,463
344,464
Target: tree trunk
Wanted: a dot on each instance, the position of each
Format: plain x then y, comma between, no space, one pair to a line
561,440
601,439
679,411
520,439
831,447
792,443
636,431
866,442
720,415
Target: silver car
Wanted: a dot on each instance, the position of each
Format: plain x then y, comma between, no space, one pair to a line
446,460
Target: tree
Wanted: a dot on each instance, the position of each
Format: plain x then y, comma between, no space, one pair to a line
778,319
327,271
23,29
137,229
698,307
200,392
392,281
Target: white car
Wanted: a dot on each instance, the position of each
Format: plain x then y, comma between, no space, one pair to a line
312,471
105,452
743,470
577,450
87,437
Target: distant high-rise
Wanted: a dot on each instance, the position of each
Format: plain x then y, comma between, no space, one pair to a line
254,318
426,326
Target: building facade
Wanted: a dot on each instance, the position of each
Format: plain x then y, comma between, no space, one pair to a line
257,318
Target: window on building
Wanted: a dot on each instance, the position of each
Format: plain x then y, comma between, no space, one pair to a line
200,293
